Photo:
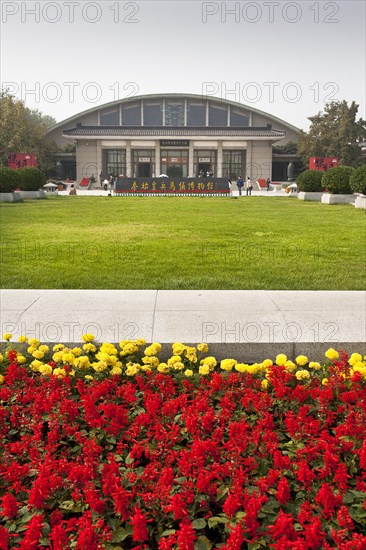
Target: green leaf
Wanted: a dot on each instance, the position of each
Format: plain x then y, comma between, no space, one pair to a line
129,460
168,532
199,523
212,522
203,543
121,534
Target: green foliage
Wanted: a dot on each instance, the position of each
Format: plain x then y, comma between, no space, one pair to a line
30,179
310,181
289,149
23,130
9,179
357,180
334,133
336,180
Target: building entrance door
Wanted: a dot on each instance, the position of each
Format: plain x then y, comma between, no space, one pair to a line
204,167
144,170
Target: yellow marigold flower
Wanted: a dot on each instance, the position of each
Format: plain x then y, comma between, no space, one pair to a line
77,352
188,372
44,348
59,373
325,382
31,349
210,362
178,365
331,354
57,356
35,365
140,342
290,366
99,366
254,369
360,367
204,369
132,370
1,358
116,371
302,375
228,364
241,367
45,370
154,349
355,358
203,348
264,384
267,363
174,359
129,349
88,338
151,361
88,377
68,359
37,354
23,339
33,342
164,368
106,347
314,365
82,362
7,336
178,348
89,348
21,359
302,360
191,354
281,359
1,379
58,347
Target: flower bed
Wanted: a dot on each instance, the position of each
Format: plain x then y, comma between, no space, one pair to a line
106,447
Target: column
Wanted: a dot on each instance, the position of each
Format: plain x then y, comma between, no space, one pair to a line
190,160
99,161
128,159
157,158
249,162
219,160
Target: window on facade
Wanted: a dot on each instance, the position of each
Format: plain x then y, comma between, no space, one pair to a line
174,113
153,114
115,162
217,115
238,119
109,117
196,115
131,114
233,165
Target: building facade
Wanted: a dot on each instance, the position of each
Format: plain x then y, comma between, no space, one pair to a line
173,134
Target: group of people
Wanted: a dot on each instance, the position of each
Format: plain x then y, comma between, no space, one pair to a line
247,185
208,174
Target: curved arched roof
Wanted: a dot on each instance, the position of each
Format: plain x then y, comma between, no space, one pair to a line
239,106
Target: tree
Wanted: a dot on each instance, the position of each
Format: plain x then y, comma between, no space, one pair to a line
23,130
334,133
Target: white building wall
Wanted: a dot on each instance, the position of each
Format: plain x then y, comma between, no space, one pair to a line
86,160
260,165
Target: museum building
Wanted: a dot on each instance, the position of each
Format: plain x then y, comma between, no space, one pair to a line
173,134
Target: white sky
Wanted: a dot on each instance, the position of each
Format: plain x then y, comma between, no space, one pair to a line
286,58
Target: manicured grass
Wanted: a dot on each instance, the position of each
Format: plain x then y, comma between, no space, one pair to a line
182,243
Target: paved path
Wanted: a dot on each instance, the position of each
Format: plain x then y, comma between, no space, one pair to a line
254,323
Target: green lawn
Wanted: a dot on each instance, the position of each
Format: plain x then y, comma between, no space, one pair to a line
182,243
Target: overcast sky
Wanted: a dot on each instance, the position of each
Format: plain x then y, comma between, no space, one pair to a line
285,58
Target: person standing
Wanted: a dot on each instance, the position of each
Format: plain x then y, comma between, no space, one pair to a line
268,183
240,184
248,186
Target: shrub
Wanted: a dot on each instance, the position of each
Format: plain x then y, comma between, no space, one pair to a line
31,179
310,180
357,180
9,179
336,180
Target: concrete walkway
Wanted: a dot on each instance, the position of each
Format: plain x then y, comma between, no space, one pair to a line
251,325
